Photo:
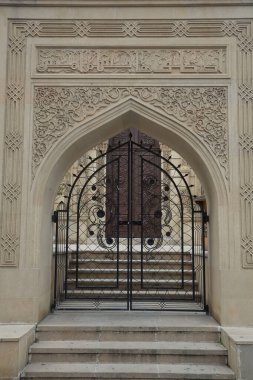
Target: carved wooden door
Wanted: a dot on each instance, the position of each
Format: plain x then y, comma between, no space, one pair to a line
137,176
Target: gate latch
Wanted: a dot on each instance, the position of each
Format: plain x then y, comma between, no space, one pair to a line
123,222
55,217
134,222
205,217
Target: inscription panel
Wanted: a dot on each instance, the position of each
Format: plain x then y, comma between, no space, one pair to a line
199,60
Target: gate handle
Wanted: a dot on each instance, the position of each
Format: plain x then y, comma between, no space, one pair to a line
137,222
126,222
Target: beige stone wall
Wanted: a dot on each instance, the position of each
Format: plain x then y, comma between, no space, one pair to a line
182,74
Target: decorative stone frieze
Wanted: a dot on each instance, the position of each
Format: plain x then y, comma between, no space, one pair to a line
130,60
59,109
20,30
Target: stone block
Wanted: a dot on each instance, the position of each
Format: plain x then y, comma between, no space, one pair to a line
14,343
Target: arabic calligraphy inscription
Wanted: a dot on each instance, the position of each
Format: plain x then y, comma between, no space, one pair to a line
132,60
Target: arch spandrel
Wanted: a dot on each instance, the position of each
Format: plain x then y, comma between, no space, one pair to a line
58,110
132,113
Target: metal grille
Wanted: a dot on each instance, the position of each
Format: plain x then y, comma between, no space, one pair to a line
130,236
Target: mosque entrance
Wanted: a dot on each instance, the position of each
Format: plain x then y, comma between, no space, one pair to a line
130,234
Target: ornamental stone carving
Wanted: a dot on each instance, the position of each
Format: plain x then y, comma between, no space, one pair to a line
59,109
129,60
247,245
9,244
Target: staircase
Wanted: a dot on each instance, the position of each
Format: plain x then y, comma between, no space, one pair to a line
127,345
162,280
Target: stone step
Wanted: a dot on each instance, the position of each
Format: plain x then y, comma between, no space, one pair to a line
109,304
100,293
127,371
111,273
135,255
136,284
128,352
131,333
109,263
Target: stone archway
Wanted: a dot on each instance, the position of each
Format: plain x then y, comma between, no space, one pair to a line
67,149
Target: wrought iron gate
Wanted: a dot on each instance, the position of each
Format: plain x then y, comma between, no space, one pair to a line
130,235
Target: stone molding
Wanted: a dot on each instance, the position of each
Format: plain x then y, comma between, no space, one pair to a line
125,3
20,30
190,60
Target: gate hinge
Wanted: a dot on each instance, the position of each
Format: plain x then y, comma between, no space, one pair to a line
55,217
205,217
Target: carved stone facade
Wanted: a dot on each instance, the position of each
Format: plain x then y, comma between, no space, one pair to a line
21,30
129,60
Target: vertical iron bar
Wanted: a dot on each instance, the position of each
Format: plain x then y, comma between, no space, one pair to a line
182,245
77,244
193,255
130,231
66,254
56,259
204,257
118,212
142,223
128,226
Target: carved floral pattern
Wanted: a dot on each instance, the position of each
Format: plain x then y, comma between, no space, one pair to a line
59,109
130,60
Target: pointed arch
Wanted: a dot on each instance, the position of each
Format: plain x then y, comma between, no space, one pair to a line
128,114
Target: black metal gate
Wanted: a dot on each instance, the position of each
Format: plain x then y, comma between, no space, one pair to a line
130,235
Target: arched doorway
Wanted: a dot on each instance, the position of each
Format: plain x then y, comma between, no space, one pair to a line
130,234
111,122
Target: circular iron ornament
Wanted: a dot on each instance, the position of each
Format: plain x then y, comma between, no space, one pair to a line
150,241
109,241
100,214
149,182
